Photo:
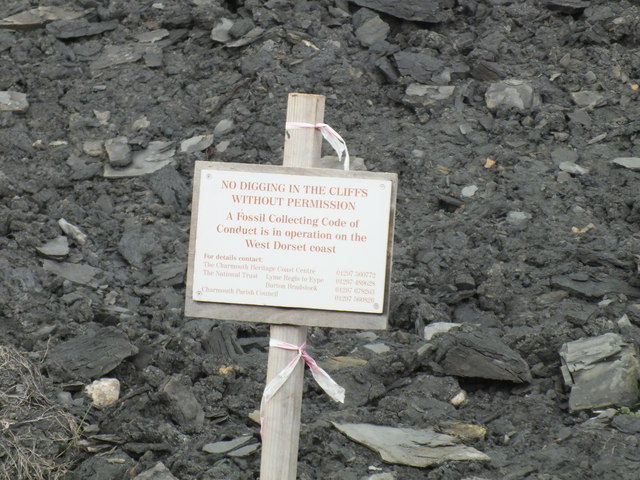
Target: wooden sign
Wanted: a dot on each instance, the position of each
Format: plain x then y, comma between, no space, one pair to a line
285,237
294,246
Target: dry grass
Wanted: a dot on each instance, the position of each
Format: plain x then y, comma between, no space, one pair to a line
33,430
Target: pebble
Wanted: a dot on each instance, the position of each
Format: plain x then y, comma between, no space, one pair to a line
572,168
225,125
220,32
118,151
73,231
372,31
588,99
632,163
158,472
226,446
104,391
469,191
196,144
93,148
511,93
11,101
518,218
58,247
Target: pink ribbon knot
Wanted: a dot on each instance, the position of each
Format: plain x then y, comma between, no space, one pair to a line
335,391
330,135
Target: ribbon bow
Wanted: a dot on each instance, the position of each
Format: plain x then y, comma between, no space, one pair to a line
330,135
323,379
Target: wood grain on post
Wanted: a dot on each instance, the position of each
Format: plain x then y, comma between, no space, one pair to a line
281,415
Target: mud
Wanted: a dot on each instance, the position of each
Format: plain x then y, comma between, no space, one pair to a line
502,119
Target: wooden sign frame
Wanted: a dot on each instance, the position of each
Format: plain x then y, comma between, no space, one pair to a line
288,315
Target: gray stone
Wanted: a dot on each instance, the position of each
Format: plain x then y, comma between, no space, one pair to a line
518,218
184,408
74,272
433,11
419,66
137,247
11,101
425,95
37,17
169,185
377,347
479,354
601,372
114,55
632,163
589,288
437,328
407,446
245,451
588,99
196,144
225,125
572,168
511,93
68,29
220,32
158,472
92,355
57,247
225,446
118,151
157,155
153,36
563,154
372,31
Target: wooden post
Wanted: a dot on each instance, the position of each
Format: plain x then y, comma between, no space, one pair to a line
281,415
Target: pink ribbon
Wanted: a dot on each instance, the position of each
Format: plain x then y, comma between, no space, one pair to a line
323,379
330,135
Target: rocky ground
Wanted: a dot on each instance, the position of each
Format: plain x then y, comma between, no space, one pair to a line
512,125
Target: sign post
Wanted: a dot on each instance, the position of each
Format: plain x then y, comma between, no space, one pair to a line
294,246
281,416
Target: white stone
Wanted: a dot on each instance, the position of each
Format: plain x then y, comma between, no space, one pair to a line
223,126
436,328
469,191
104,391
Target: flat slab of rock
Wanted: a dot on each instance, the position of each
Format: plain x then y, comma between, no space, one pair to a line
632,163
157,155
158,472
11,101
432,11
185,409
407,446
601,371
477,354
74,272
37,17
511,93
92,355
593,288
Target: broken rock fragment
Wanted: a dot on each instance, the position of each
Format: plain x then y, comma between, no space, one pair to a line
513,93
407,446
118,151
433,11
601,371
67,29
632,163
92,355
479,354
184,408
11,101
37,17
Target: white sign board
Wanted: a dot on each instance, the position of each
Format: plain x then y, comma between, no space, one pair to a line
286,240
